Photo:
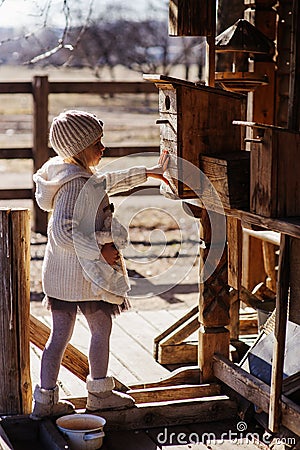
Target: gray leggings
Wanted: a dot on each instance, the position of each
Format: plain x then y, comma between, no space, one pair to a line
98,316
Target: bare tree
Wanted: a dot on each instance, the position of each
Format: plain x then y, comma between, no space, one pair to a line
106,40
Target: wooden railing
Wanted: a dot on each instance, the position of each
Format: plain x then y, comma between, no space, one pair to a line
40,88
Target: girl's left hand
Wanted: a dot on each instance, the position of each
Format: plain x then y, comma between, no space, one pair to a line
158,170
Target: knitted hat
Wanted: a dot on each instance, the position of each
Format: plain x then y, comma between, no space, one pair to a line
73,131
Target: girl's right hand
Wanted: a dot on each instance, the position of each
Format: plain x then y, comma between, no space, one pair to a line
110,253
158,170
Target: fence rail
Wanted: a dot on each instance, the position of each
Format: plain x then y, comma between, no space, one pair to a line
40,88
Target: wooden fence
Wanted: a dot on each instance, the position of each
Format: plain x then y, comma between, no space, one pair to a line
40,88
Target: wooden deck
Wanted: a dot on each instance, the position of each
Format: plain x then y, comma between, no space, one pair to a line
132,362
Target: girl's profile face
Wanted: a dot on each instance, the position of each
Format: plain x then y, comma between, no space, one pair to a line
94,152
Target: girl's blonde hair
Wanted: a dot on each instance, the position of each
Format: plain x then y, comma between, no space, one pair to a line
80,160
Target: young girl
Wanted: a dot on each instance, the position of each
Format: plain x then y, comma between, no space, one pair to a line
83,265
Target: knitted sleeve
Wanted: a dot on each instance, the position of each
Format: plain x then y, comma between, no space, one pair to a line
66,227
123,180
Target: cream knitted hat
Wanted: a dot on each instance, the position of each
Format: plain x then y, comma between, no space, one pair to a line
73,131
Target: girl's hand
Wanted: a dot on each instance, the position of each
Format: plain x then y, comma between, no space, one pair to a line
110,253
158,170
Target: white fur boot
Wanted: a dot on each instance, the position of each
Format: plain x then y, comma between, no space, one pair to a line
46,403
101,395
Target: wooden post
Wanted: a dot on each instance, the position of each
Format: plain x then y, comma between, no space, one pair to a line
294,95
214,302
288,270
15,386
279,334
210,49
284,61
235,243
40,149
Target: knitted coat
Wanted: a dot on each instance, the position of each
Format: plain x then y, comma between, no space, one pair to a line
80,223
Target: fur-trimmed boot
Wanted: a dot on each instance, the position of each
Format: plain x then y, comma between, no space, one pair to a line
46,403
101,395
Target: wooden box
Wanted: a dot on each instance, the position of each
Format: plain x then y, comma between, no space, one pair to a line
229,175
275,171
194,120
20,432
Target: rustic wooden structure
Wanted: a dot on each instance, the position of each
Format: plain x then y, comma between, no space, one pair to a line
270,197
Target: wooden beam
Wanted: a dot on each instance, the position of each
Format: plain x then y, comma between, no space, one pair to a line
180,392
114,151
191,313
182,332
183,375
266,235
279,333
163,394
101,87
287,225
9,194
152,415
82,87
15,153
291,384
18,87
250,299
256,391
184,353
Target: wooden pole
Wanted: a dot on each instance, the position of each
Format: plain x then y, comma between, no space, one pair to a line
279,334
234,242
210,65
294,95
214,300
40,90
15,386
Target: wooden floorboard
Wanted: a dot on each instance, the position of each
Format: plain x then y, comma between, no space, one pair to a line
140,330
160,320
138,360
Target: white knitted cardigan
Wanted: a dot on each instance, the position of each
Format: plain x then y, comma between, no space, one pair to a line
80,223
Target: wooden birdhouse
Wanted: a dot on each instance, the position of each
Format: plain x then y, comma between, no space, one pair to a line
274,171
196,120
241,42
